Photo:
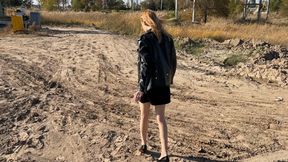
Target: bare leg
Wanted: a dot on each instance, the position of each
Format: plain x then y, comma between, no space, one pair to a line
145,109
160,116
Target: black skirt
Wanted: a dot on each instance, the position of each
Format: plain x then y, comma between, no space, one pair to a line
157,96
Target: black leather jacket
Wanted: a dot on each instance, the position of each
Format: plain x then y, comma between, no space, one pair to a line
156,61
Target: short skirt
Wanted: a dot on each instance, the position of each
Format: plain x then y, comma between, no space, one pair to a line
157,96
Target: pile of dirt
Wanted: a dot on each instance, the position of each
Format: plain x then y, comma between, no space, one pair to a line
270,65
254,60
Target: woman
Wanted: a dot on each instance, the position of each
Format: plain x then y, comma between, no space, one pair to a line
156,69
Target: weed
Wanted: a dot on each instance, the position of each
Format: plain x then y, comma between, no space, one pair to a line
234,60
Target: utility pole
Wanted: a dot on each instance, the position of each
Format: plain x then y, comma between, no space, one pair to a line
176,9
161,7
193,11
268,9
259,10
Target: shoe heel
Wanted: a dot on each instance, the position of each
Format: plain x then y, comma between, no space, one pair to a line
163,159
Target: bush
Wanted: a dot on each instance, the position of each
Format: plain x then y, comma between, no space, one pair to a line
49,5
284,8
116,4
235,8
148,4
156,4
221,8
169,4
77,5
275,5
218,8
233,60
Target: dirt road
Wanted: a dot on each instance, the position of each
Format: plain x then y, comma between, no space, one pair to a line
65,95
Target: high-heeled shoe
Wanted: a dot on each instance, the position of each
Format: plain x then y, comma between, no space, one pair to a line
163,159
143,149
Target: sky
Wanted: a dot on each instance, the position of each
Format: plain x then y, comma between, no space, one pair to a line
35,2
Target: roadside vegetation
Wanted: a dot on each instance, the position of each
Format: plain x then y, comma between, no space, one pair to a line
128,23
215,19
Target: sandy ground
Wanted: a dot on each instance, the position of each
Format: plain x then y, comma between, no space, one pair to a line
65,95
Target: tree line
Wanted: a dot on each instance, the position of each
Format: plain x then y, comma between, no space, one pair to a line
222,8
12,3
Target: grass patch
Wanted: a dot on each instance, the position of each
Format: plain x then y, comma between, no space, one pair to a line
234,60
194,49
119,22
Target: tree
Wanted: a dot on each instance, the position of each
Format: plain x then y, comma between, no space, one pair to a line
212,7
221,8
27,3
97,5
11,3
116,4
235,7
78,5
284,8
169,4
62,4
275,5
156,4
49,5
148,4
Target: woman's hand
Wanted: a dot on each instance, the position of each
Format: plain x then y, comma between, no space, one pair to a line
137,96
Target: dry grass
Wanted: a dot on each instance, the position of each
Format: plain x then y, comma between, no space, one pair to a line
221,29
128,23
122,23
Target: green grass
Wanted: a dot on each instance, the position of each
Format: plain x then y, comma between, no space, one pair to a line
234,60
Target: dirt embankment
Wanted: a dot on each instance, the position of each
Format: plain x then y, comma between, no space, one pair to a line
65,95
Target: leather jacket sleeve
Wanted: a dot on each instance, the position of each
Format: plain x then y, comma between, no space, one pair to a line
173,61
145,65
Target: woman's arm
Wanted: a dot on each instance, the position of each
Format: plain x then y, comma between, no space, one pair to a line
146,65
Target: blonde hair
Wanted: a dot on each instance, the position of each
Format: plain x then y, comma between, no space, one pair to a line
150,19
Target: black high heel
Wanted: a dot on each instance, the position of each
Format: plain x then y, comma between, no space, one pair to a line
143,149
163,159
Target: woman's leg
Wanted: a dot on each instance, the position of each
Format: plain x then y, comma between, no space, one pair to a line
160,116
145,109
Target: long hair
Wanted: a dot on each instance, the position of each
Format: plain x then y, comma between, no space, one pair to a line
150,19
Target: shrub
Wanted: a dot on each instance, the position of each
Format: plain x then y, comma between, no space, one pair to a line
77,5
49,5
233,60
235,8
275,5
284,8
